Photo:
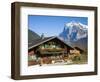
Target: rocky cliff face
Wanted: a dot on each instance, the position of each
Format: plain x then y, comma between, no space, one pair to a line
75,34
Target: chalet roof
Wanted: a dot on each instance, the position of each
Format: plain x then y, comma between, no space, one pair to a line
79,49
37,42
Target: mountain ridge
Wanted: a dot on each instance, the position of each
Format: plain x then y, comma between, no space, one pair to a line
75,34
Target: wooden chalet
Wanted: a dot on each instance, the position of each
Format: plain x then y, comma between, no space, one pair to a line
47,50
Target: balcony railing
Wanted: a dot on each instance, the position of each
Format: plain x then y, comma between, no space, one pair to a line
51,51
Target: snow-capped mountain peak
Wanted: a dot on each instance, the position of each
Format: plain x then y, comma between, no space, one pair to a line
74,31
78,24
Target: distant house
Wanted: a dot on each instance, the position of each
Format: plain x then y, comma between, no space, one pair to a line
47,50
77,48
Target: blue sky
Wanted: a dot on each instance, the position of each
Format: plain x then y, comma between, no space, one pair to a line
51,25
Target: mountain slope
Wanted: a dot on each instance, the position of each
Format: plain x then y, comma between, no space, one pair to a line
32,36
81,43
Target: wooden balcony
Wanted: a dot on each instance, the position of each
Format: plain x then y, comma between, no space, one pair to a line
51,51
